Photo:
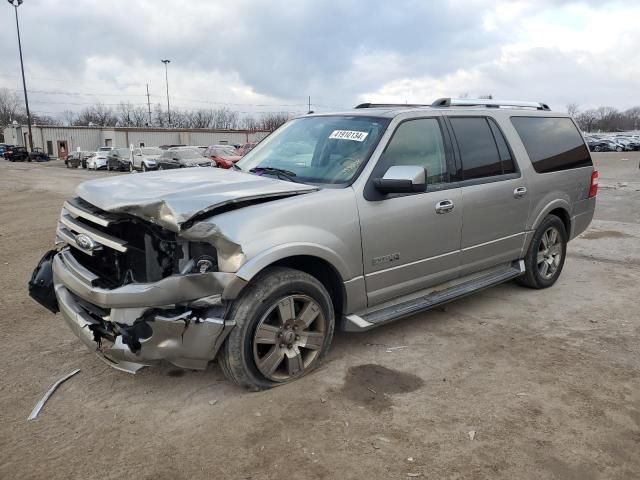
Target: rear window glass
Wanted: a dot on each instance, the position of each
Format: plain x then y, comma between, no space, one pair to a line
553,144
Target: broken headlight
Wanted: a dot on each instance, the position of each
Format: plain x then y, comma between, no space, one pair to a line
204,257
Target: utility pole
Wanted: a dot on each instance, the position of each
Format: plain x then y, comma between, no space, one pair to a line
166,77
309,110
149,104
15,4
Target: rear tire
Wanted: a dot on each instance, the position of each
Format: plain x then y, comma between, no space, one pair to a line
284,327
144,167
545,258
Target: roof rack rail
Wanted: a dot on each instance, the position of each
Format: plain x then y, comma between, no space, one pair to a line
489,103
390,105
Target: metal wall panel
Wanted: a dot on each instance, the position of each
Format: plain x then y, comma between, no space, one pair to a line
90,138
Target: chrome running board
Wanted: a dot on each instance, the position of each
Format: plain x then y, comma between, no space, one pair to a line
432,298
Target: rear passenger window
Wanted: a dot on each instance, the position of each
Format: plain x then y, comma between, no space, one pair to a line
418,142
478,148
553,144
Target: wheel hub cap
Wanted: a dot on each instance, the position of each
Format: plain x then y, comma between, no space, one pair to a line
289,337
549,253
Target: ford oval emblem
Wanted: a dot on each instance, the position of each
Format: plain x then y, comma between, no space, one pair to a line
85,242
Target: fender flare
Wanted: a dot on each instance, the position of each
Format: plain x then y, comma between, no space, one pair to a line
555,204
257,263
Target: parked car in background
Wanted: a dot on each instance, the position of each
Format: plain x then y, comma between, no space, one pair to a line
182,158
167,147
73,160
3,148
630,144
144,158
98,161
614,146
596,145
38,155
222,156
118,159
84,157
246,148
16,154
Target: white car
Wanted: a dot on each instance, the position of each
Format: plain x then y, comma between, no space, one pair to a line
144,158
98,161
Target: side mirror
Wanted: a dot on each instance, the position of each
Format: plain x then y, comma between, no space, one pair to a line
402,179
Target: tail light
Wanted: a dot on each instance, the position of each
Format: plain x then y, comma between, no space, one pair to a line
593,188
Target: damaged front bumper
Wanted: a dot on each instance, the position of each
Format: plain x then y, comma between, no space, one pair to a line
179,318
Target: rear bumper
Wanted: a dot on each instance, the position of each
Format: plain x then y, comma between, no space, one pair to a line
179,319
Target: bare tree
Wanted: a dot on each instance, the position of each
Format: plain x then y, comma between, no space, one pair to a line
272,120
97,114
159,116
573,109
140,117
68,117
249,122
10,107
587,120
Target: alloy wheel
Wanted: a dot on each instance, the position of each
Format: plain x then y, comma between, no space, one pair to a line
549,253
289,337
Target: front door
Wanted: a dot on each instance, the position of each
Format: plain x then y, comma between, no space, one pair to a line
63,149
410,241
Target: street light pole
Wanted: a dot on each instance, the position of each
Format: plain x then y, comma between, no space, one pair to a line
15,4
166,77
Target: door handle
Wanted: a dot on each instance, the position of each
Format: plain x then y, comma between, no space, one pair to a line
520,192
445,206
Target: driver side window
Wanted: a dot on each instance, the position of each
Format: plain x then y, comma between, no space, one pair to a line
418,142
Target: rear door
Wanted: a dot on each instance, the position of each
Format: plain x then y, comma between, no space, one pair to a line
494,192
409,242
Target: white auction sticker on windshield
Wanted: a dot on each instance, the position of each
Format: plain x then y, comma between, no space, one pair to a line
348,135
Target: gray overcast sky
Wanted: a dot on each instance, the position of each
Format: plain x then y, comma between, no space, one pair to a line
269,55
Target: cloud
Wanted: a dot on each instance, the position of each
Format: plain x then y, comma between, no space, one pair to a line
258,55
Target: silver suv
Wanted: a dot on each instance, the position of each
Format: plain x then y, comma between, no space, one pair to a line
349,220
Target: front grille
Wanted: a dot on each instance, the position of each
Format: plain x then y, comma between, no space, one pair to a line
121,249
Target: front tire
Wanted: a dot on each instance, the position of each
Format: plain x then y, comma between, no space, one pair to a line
284,327
546,254
144,167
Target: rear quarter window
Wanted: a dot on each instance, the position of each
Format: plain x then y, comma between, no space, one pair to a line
553,144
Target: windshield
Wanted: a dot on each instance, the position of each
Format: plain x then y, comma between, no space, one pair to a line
151,151
318,149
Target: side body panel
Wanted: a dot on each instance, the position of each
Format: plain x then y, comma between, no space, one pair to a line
406,245
565,189
323,224
493,224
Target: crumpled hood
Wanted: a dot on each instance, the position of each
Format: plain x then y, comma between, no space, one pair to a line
171,198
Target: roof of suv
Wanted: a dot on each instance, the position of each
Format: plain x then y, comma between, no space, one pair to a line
390,110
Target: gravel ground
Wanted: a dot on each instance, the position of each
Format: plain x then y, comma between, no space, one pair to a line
549,381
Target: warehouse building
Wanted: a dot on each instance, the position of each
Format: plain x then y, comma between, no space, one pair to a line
57,141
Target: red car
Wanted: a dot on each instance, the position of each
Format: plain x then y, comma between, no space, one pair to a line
222,156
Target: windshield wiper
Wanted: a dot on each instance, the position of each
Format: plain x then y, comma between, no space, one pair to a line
278,172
